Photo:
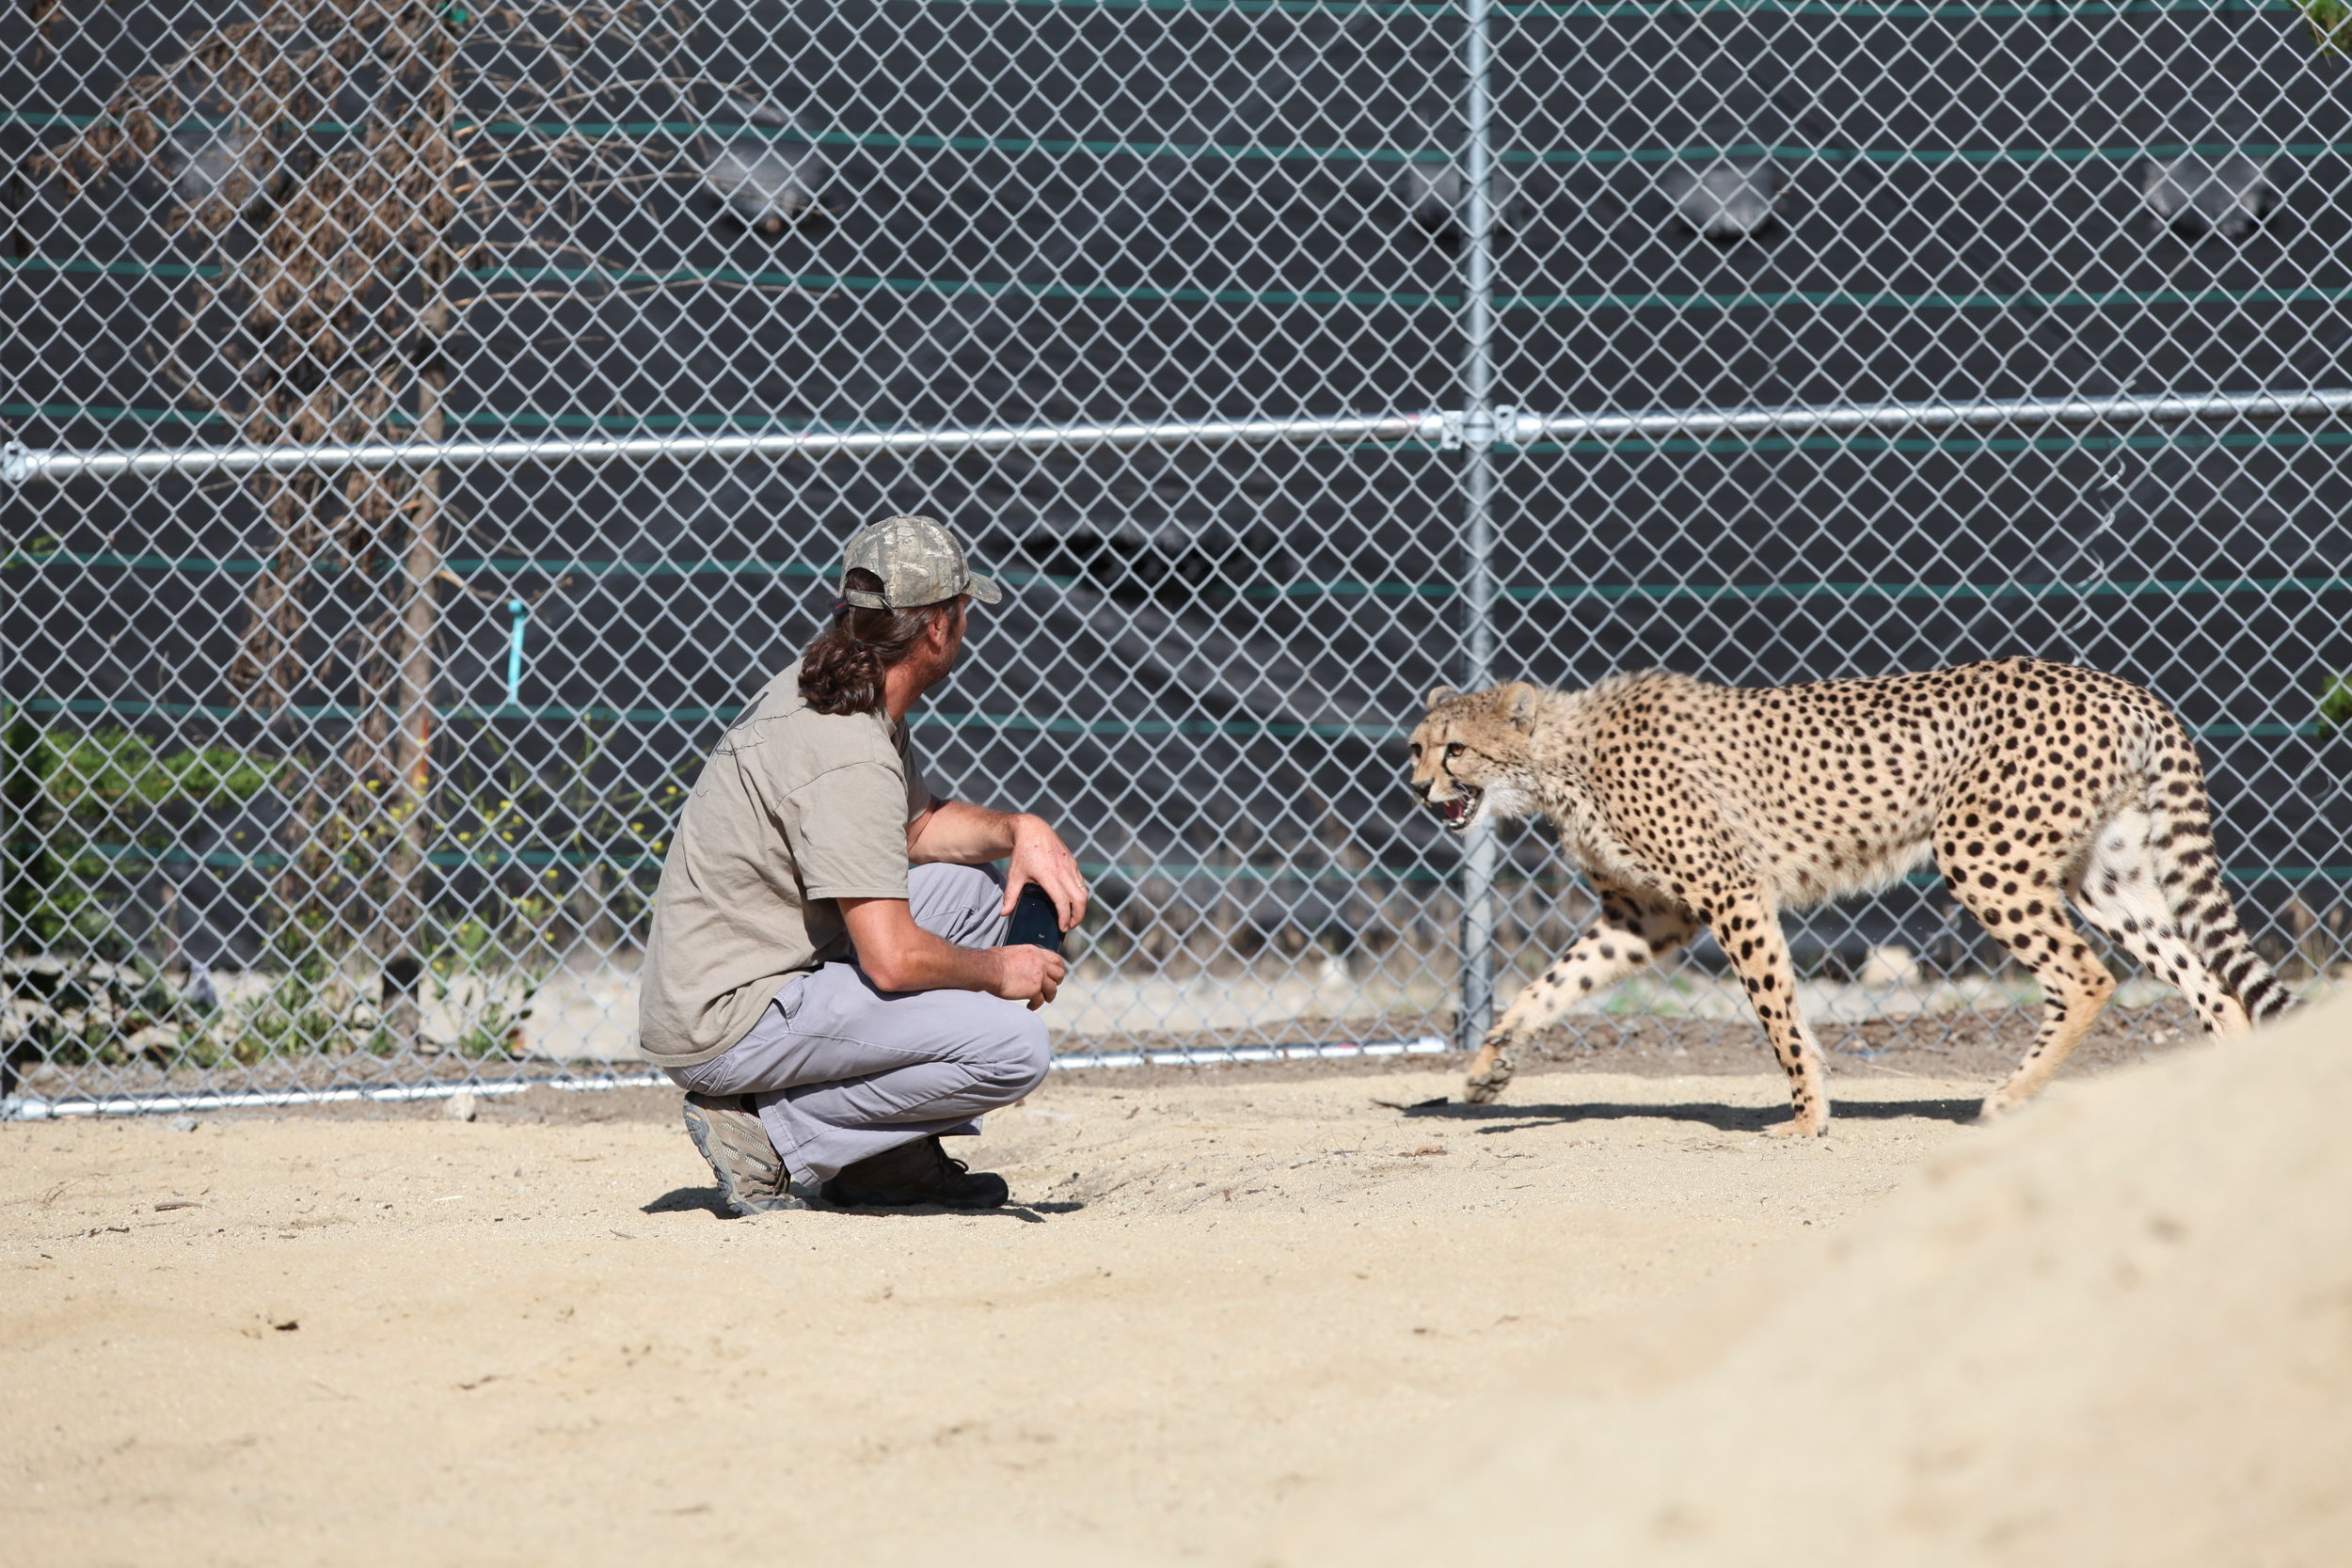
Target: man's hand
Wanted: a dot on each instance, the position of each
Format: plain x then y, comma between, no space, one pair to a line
1039,856
1026,974
960,833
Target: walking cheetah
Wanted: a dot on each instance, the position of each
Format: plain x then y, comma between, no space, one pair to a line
1692,805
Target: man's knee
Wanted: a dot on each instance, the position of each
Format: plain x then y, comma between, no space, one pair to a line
1019,1058
962,904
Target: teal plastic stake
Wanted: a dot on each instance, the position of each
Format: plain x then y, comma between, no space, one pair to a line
521,612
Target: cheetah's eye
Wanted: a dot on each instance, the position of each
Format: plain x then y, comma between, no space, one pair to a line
1453,749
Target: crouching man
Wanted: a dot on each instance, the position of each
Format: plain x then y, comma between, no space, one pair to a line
826,976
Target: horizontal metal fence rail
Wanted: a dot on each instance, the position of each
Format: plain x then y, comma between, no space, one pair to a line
21,467
1444,430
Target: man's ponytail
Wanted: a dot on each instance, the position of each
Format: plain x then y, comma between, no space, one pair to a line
842,670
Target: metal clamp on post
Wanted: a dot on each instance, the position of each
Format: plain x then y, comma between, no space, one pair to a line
16,464
1478,427
1450,430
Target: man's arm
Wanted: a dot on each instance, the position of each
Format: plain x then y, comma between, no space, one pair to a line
899,955
960,833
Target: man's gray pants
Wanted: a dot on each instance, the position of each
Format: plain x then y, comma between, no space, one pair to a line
839,1070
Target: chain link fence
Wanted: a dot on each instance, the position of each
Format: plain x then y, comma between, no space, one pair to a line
428,422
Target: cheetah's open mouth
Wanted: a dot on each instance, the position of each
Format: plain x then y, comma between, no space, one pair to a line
1458,811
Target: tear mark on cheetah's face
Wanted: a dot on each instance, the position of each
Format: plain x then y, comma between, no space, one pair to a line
1470,757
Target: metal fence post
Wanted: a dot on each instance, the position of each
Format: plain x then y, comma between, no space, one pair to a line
1480,850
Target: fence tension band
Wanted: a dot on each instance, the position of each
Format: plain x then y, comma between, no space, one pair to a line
20,466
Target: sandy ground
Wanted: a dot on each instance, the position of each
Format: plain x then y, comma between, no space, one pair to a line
401,1339
2115,1330
1290,1317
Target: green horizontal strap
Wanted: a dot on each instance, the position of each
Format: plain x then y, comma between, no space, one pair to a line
922,142
225,860
2144,588
1343,588
41,120
1278,153
987,287
825,282
491,859
1006,722
1888,300
1711,593
557,713
1181,871
468,566
115,413
394,423
1030,724
1886,10
1923,156
497,859
135,707
1446,10
461,565
1354,299
1889,11
109,269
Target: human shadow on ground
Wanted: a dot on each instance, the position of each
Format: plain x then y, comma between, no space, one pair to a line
712,1201
1724,1119
1028,1214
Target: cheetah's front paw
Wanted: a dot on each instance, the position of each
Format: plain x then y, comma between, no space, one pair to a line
1484,1088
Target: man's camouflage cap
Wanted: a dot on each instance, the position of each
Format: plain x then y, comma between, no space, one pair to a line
919,562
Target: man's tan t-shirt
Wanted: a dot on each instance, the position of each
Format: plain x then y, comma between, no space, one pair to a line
794,810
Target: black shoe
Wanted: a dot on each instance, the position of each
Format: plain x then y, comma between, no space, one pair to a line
913,1174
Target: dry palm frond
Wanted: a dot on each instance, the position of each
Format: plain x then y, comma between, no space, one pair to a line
311,162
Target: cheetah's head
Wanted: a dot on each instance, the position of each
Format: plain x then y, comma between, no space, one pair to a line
1470,755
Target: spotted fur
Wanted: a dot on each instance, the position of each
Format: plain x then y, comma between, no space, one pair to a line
2028,784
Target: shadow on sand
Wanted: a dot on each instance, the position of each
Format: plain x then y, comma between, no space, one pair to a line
709,1200
1724,1119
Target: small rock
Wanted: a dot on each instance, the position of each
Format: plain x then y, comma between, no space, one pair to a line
156,1040
184,1124
460,1106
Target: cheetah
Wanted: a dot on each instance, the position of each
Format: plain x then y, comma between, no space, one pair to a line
1688,804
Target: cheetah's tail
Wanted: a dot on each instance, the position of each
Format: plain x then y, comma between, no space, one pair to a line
2189,873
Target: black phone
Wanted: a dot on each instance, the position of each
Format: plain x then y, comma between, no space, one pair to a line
1035,922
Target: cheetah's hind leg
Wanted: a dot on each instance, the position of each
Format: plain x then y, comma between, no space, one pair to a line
2016,892
1630,932
2121,893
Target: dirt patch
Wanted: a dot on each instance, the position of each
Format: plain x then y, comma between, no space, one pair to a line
530,1338
2115,1329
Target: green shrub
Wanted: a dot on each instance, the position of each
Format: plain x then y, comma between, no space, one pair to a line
2335,706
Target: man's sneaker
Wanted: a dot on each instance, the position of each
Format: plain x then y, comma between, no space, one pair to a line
751,1174
912,1174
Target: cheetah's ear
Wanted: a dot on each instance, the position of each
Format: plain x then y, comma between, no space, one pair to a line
1519,705
1442,694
